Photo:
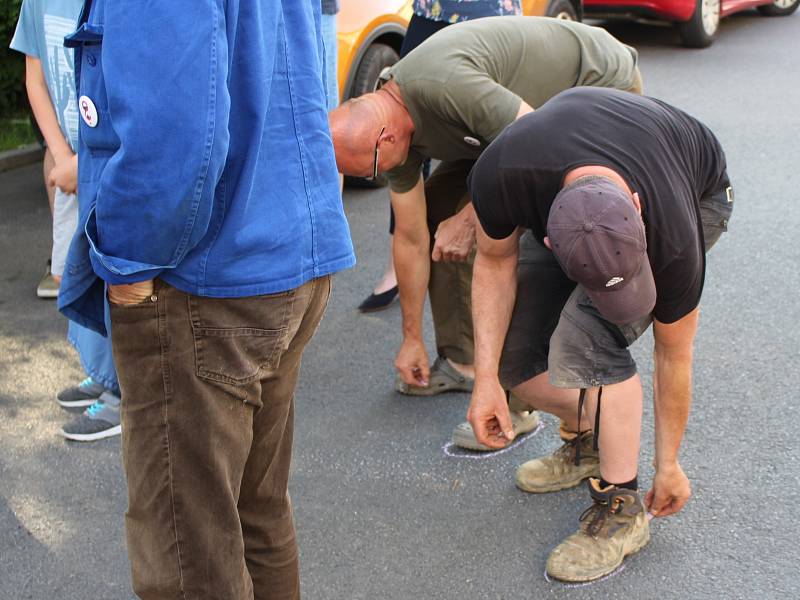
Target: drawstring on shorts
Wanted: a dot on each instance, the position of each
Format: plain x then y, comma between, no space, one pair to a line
581,400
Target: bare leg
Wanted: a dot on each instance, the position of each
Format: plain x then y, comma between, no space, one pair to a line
563,403
620,419
465,370
620,429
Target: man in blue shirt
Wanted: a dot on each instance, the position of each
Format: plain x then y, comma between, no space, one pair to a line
213,215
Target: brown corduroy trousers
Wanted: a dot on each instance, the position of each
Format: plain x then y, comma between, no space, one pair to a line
208,398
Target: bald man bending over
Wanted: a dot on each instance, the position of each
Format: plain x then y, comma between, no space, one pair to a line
447,100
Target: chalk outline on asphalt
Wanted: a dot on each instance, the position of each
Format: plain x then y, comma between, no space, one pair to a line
478,455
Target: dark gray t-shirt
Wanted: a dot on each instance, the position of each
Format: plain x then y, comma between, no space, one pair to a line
669,158
464,85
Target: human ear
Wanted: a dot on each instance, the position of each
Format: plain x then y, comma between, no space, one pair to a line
637,203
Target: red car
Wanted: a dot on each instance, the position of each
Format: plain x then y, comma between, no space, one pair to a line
697,20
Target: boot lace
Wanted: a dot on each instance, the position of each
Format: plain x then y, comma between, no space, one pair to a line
599,512
570,449
581,400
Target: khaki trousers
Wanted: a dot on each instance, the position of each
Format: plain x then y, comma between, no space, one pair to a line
207,421
450,285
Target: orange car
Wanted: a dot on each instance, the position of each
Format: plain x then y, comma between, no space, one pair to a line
370,33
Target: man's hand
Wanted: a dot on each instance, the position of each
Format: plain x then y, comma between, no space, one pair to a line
670,491
488,414
64,175
134,293
455,238
412,363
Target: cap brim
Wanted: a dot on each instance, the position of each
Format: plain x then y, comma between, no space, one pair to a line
630,303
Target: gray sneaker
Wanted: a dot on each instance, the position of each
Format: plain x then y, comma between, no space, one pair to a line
100,420
522,422
47,288
85,393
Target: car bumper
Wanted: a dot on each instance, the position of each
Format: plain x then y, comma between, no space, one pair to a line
665,10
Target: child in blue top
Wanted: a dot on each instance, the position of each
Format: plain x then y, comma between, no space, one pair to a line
50,83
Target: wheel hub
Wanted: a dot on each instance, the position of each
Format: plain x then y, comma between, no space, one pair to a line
710,15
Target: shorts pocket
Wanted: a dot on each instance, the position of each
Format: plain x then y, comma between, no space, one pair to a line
237,339
715,213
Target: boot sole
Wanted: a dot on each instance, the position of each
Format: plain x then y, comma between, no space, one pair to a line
467,441
635,546
561,485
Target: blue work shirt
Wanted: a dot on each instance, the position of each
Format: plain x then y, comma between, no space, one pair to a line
205,157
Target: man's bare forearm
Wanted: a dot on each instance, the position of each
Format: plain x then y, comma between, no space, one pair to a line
673,398
411,253
412,266
494,288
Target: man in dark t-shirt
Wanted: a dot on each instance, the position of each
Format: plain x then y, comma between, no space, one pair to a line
622,196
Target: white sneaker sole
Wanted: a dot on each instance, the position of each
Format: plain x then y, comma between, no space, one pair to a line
91,437
47,294
76,403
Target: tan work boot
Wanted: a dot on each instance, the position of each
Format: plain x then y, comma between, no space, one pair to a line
614,527
522,422
559,471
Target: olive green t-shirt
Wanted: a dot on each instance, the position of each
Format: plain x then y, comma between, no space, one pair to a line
463,86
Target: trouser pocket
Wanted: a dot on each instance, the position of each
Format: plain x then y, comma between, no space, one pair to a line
236,340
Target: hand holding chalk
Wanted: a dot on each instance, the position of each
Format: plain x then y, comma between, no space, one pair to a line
670,492
488,413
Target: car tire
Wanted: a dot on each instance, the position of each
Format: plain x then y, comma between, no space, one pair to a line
779,8
375,59
562,9
699,31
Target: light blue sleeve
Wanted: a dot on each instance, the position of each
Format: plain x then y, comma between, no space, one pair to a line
26,37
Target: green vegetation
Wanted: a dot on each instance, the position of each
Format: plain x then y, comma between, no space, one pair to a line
12,65
15,133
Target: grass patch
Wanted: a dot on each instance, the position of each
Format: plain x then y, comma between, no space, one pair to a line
15,133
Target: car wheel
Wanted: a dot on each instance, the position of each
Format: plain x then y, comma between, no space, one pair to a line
562,9
779,8
375,59
699,31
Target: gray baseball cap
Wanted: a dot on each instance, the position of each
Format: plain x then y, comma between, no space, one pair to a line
598,238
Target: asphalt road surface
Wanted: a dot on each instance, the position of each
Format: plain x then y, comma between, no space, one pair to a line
382,512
